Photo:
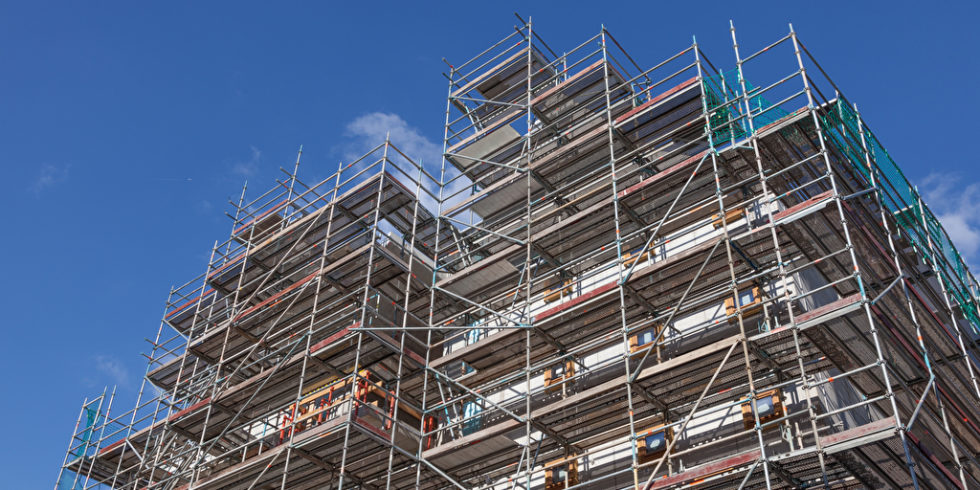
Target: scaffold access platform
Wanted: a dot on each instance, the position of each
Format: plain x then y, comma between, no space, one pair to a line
619,277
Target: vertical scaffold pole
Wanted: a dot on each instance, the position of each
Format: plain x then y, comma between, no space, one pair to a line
725,233
753,138
811,106
432,287
528,319
98,443
289,193
873,181
942,285
183,360
784,285
64,464
238,214
87,444
925,354
355,375
409,275
624,329
309,329
139,401
199,458
157,409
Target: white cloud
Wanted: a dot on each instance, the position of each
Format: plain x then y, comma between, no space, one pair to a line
958,208
369,130
49,176
112,368
248,167
965,235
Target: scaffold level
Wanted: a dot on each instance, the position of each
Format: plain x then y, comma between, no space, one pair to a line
619,277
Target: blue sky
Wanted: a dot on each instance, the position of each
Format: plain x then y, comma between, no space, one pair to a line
125,130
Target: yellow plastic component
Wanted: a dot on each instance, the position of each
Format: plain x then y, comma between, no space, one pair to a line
552,473
730,215
778,410
630,258
748,307
551,379
552,295
645,456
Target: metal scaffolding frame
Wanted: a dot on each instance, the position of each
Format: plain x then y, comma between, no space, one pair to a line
622,277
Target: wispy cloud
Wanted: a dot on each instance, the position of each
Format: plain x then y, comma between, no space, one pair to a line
369,130
113,369
250,167
49,176
958,208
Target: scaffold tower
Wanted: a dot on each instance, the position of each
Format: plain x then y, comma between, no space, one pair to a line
682,275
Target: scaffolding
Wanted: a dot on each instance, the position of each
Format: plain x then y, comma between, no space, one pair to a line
621,277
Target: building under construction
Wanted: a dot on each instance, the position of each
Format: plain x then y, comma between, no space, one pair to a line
693,274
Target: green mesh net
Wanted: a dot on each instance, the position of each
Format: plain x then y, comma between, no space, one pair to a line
728,122
841,129
729,119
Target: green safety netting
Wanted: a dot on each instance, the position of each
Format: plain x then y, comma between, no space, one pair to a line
899,197
842,129
716,96
727,121
67,481
91,417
